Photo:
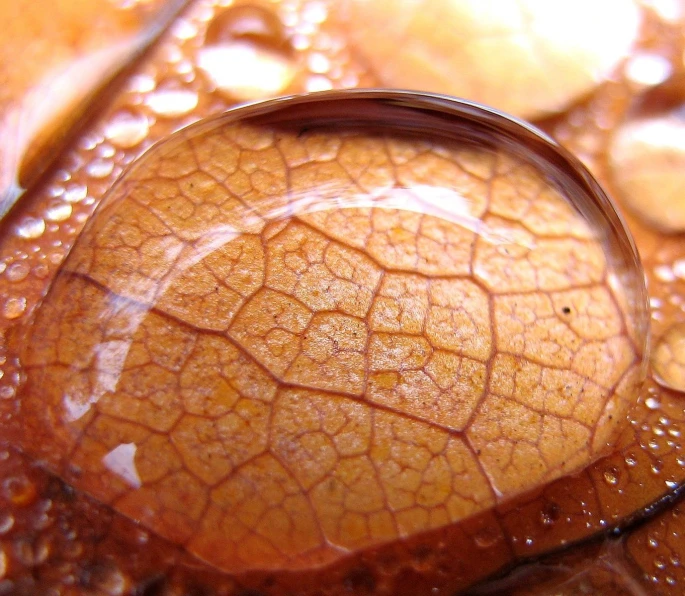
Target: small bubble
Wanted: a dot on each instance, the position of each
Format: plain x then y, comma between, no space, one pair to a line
17,271
127,129
14,307
31,228
172,103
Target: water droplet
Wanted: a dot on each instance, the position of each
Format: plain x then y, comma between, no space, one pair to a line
487,537
652,542
668,359
17,271
611,476
75,193
172,103
100,168
549,514
58,211
31,227
14,307
660,562
648,152
652,403
6,522
440,197
247,54
630,460
19,490
646,68
32,553
127,129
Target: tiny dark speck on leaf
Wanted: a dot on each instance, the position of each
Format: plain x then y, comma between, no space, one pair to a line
566,310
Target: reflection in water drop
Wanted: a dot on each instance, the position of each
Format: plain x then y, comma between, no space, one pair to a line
668,358
121,461
247,54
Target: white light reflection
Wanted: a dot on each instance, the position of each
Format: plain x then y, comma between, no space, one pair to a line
121,461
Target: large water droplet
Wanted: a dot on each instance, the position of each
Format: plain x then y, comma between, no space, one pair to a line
426,269
247,54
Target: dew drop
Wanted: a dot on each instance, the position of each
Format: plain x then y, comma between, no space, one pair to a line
19,490
648,69
668,358
14,307
611,476
58,211
75,193
652,542
648,152
127,129
172,103
247,54
487,537
630,460
100,168
397,213
31,228
17,271
652,403
6,522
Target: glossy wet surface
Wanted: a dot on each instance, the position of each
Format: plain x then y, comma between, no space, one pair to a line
62,540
